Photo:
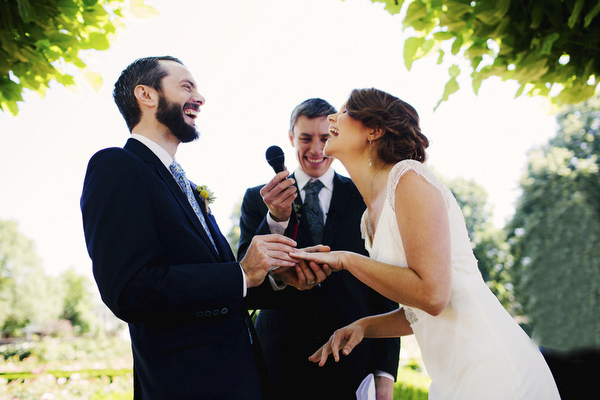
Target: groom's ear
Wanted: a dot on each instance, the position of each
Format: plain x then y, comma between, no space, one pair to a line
146,96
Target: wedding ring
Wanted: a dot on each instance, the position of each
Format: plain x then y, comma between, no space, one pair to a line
310,283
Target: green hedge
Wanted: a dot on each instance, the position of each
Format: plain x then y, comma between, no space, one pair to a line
84,373
411,385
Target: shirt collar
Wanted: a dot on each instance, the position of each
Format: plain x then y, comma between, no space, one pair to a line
327,178
161,153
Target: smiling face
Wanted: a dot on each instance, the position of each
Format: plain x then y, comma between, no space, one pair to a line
179,102
309,138
349,137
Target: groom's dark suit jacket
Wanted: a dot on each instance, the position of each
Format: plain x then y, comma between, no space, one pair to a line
157,270
293,324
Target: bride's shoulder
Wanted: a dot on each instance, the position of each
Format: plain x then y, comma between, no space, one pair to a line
420,172
402,167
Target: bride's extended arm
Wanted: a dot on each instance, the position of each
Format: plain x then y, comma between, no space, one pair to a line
422,218
392,324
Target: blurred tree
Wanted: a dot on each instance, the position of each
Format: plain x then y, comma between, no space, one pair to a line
550,47
77,304
26,295
41,39
489,242
233,236
555,233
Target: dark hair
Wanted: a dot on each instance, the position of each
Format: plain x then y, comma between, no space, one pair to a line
311,108
143,71
402,138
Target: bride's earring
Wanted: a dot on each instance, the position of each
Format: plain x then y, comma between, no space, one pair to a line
370,145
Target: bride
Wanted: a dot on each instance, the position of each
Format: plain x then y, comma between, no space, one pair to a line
421,257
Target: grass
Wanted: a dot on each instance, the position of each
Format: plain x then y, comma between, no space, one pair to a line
101,369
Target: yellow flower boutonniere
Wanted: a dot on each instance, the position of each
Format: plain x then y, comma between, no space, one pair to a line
205,194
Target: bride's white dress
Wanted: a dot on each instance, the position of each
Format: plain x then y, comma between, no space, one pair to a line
473,349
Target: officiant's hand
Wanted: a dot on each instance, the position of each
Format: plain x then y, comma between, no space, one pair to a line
279,195
304,276
344,339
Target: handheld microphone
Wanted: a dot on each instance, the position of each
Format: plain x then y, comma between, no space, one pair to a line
276,158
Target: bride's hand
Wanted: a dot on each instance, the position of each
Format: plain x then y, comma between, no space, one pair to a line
321,256
347,338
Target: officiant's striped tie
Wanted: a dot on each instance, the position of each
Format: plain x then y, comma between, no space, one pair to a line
313,210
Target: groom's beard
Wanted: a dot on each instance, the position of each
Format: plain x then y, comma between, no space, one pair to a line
170,114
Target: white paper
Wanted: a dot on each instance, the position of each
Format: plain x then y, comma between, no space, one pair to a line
366,390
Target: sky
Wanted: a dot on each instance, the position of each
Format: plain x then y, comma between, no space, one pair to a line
254,62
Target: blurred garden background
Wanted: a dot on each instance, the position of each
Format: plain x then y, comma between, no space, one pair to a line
521,155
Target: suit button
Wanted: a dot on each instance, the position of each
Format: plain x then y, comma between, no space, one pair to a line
207,313
224,311
216,312
199,314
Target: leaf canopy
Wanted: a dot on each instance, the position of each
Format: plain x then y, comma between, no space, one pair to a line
40,39
550,47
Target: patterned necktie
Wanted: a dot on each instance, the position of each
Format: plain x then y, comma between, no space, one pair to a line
314,213
184,184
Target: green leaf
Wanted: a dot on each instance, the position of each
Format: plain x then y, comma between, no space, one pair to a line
416,11
9,106
548,42
457,44
450,88
490,12
454,71
591,15
391,6
98,41
576,12
411,45
440,36
26,12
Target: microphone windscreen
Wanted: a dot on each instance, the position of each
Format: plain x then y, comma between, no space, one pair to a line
275,158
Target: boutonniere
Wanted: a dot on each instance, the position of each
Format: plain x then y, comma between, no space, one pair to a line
297,208
205,194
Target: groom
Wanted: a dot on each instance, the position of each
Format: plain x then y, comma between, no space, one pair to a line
159,258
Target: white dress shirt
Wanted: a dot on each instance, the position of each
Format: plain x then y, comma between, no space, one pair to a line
325,195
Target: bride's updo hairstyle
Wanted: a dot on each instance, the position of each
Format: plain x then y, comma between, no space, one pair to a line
399,120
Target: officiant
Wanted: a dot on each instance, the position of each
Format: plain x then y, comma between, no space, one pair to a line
315,205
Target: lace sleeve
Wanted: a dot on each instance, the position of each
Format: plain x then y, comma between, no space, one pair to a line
407,165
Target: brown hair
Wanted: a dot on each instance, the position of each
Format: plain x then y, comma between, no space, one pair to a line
402,138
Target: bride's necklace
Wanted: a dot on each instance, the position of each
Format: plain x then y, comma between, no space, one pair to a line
369,227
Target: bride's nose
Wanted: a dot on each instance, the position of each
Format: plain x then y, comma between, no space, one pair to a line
331,118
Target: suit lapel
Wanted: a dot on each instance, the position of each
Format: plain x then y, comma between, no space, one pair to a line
339,202
143,152
303,233
337,207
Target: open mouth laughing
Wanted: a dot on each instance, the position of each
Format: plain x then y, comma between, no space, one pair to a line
315,160
333,131
192,112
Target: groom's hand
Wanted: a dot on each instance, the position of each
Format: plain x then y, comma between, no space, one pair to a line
264,253
279,195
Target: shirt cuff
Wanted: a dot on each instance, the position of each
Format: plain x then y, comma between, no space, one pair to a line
245,285
383,374
276,286
275,226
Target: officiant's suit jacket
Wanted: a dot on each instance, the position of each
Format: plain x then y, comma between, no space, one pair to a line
293,324
156,269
